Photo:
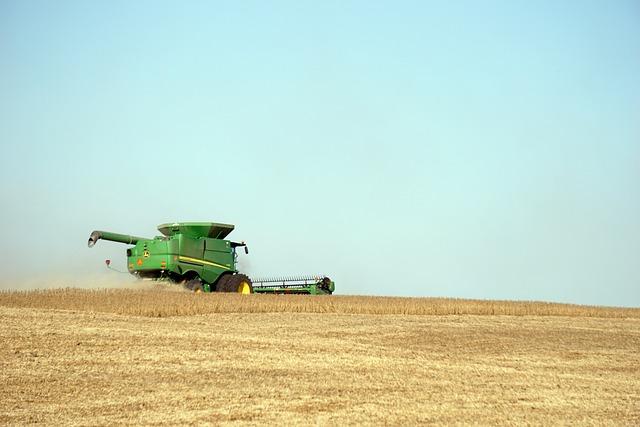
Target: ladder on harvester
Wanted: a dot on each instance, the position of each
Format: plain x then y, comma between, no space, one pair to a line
310,285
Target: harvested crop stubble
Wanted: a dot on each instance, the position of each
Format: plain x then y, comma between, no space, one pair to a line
61,367
163,303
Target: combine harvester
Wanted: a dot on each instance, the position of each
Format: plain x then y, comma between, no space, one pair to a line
195,255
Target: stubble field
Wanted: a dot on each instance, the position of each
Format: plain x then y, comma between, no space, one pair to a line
163,357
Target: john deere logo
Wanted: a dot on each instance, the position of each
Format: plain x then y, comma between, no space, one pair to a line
145,253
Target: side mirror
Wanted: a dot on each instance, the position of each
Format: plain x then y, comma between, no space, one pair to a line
246,250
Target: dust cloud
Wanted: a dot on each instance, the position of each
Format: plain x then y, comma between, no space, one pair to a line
244,265
86,281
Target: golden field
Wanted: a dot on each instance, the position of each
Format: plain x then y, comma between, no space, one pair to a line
164,357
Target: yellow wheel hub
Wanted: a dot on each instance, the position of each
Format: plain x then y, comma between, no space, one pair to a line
244,288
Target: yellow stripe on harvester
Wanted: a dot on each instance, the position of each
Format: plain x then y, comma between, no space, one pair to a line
201,261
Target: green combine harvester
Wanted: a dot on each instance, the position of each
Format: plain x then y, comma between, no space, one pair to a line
197,256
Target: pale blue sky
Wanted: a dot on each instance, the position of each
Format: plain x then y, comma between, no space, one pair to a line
465,149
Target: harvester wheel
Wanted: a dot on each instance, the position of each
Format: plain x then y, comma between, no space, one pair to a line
221,285
239,283
194,285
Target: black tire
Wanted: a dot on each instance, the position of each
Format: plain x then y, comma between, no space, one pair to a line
194,285
238,283
221,284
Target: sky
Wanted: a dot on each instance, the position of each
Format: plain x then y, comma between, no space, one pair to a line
460,149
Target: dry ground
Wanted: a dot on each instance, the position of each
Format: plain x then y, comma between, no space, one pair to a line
80,362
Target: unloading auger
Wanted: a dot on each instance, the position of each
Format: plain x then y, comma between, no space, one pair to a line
197,256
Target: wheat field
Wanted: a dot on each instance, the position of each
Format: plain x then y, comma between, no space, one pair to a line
162,357
167,300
